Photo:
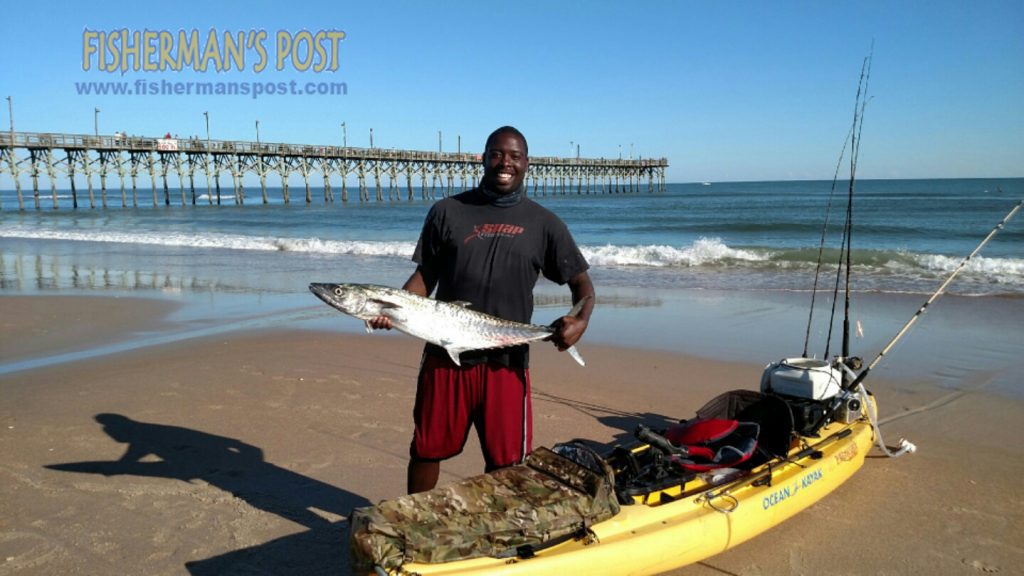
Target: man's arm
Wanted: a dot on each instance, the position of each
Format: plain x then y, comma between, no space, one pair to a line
419,283
571,328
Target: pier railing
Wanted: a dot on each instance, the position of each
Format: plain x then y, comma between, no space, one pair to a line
54,156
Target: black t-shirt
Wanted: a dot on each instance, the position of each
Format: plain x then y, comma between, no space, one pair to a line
490,256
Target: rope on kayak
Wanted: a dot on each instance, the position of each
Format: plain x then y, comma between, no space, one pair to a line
905,446
733,503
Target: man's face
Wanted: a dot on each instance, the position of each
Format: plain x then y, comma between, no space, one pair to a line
505,163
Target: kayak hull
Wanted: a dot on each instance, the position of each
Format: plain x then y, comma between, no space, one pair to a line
675,529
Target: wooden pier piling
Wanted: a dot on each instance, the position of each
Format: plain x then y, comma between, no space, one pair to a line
438,172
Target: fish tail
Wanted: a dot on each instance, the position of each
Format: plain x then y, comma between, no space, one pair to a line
576,355
454,355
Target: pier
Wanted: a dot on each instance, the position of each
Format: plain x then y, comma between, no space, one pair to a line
175,167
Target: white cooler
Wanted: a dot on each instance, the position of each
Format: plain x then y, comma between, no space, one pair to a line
802,378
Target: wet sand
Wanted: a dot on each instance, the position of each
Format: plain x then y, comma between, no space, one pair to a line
243,453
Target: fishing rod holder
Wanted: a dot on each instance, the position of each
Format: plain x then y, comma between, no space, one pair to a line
816,391
850,408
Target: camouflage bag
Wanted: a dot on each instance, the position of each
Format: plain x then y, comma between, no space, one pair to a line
509,512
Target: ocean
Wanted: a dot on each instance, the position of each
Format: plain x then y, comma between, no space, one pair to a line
683,269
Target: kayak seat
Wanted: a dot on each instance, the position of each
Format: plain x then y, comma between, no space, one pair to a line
770,412
712,443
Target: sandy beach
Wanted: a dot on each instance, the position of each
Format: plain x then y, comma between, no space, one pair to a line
244,452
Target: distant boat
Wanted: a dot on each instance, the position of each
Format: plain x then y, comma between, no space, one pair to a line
706,183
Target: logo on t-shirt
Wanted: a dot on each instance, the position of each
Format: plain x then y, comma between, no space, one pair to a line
494,230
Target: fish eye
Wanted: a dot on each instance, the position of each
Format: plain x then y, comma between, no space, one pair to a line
337,291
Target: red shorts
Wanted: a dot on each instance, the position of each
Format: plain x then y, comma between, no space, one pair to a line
450,399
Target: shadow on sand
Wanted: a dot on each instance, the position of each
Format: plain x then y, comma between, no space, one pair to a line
161,451
624,421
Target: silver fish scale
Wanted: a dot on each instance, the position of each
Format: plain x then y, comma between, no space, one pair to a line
452,326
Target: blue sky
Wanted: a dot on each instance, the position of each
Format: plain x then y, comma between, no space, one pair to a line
725,90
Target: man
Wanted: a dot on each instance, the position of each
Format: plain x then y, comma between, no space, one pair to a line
487,246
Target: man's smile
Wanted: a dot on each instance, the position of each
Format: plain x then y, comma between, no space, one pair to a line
504,176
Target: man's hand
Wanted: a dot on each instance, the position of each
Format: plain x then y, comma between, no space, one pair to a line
569,330
379,323
418,284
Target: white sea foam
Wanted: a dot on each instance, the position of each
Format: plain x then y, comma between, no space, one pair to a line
702,251
976,264
226,241
346,247
999,270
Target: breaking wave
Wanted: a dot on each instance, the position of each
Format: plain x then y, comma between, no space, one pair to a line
224,241
704,254
702,251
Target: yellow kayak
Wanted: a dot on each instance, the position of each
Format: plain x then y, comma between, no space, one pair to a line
686,520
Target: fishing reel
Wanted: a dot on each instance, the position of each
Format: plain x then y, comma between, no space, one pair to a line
854,363
850,409
849,405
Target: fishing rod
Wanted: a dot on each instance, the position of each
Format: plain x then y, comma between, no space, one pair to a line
854,158
821,243
846,245
852,140
856,381
860,377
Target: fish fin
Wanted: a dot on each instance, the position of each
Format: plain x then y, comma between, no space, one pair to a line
575,355
385,304
454,354
573,312
369,329
578,307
